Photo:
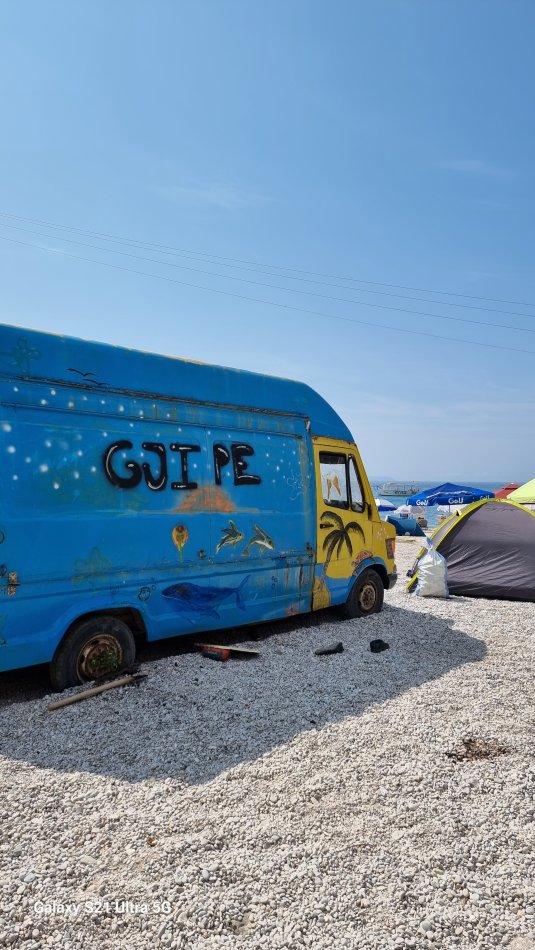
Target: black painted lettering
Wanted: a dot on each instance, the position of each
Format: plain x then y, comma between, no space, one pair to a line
159,483
221,458
239,450
184,451
119,480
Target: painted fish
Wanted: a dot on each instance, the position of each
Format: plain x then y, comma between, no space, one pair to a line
261,538
192,598
231,535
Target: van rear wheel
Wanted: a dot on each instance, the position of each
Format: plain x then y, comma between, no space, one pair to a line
98,646
366,596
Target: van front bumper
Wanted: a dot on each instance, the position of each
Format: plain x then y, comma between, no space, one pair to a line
392,580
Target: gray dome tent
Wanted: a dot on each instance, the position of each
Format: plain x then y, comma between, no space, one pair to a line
489,549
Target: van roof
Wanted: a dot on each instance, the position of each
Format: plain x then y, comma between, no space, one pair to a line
31,354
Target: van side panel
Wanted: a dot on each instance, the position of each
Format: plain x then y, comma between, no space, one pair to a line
263,539
198,517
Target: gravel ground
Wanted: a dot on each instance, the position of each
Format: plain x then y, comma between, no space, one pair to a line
285,801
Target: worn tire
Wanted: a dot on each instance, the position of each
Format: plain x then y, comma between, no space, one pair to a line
94,647
366,596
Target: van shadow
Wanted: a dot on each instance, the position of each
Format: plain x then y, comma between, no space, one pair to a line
193,718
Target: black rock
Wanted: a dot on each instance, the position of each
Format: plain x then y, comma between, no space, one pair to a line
377,646
330,648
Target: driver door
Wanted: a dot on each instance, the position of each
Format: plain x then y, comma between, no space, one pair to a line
344,535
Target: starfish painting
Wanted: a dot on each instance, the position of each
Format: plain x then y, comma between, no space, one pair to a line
94,569
22,355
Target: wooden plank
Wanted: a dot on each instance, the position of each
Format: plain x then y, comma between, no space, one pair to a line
238,651
124,681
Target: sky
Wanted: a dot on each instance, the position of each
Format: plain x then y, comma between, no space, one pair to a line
264,160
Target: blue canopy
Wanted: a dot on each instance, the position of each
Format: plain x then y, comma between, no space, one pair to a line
448,494
383,504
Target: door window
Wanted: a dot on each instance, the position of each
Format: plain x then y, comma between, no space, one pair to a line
334,479
357,500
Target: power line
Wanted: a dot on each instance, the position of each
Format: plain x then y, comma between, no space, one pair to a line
237,262
270,303
292,290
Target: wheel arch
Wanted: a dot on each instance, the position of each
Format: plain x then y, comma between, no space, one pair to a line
369,565
352,608
132,617
96,643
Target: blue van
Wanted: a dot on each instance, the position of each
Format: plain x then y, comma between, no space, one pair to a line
146,497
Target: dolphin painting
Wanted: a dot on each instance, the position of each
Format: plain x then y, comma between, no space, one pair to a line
192,598
231,535
260,538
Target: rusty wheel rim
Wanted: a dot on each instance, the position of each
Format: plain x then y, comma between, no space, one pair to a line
368,597
101,654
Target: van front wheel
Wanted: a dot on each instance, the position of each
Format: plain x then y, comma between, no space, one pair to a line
366,596
98,646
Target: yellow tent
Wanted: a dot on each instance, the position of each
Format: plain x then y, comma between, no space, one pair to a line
525,495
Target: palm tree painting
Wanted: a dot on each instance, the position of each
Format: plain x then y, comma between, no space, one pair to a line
334,541
340,535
